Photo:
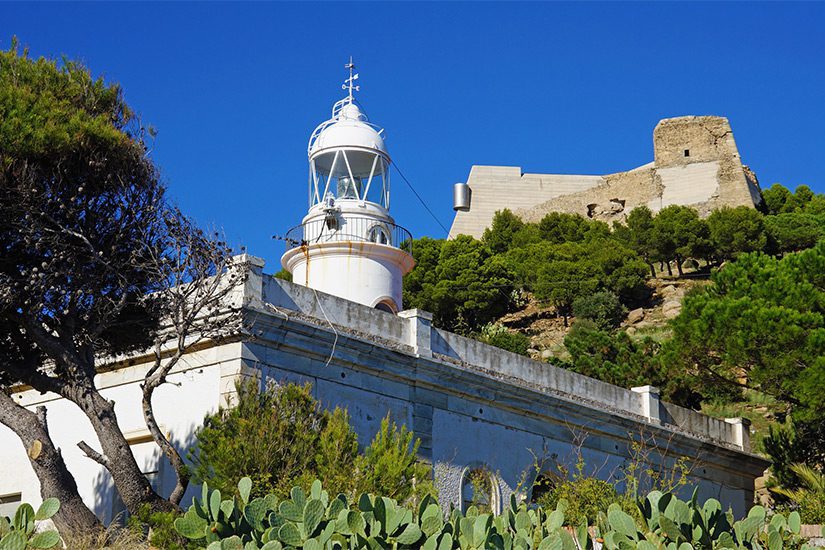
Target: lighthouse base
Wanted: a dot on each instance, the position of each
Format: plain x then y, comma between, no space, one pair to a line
363,272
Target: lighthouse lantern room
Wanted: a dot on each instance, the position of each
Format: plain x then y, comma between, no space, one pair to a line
348,244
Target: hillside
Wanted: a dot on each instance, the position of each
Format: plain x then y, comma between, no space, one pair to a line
546,329
724,314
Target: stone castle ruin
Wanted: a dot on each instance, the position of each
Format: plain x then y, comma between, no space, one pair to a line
695,163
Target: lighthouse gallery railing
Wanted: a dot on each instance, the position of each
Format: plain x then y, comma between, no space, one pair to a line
349,229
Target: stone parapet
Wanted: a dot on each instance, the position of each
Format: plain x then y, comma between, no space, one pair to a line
411,332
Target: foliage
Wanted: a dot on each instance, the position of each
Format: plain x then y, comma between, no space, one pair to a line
794,231
389,466
779,200
791,443
735,231
809,499
762,320
155,528
284,274
498,335
93,257
272,436
679,233
499,237
281,437
602,308
460,282
584,496
20,532
640,234
315,521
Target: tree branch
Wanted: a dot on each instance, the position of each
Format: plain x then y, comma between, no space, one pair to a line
94,455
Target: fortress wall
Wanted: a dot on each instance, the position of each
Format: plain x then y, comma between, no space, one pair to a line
495,188
696,164
630,189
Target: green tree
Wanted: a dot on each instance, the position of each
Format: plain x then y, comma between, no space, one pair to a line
735,231
499,237
761,320
472,286
679,233
613,358
280,437
559,228
562,281
419,283
389,466
602,308
794,231
93,257
623,272
775,198
642,238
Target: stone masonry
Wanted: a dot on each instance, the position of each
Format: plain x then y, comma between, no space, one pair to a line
696,163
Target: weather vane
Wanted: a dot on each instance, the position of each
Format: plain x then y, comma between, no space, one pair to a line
349,83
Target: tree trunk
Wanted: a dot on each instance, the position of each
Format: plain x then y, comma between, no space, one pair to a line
669,271
131,483
48,465
679,266
652,271
175,458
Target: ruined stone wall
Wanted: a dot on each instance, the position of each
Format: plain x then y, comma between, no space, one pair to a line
696,163
619,194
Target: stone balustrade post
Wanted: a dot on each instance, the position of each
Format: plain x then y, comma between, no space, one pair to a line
741,432
650,402
420,330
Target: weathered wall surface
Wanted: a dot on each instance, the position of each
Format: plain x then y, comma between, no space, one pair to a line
494,186
696,163
620,193
195,388
471,405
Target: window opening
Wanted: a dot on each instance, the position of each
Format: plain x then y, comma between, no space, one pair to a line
9,504
477,490
379,235
542,487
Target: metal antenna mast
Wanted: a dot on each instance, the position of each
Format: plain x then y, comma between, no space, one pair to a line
349,84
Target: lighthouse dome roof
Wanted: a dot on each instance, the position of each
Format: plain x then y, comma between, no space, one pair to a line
348,127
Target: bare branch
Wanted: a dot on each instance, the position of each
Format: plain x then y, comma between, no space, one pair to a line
94,455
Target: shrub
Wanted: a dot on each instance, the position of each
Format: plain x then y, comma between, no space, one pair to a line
603,308
313,520
585,498
497,335
281,437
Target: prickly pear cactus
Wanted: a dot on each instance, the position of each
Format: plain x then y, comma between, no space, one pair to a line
18,533
314,521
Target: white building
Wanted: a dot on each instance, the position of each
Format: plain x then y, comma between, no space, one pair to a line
473,406
348,244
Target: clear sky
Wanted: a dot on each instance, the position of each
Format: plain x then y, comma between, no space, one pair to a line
235,89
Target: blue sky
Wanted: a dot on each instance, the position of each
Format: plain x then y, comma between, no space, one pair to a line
235,89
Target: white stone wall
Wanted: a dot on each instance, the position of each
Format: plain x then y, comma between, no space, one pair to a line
470,404
194,390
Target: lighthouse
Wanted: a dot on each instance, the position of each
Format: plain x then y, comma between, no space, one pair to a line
348,245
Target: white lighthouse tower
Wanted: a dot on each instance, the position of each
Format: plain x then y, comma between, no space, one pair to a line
348,244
